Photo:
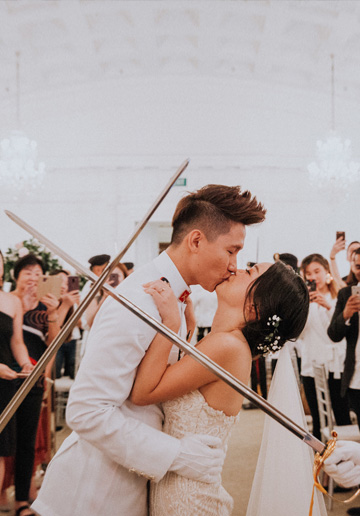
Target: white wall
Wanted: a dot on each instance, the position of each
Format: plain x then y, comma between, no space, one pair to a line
110,149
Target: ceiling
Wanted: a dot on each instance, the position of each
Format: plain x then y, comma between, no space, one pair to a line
280,42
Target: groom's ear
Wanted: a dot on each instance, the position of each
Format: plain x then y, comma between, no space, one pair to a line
194,239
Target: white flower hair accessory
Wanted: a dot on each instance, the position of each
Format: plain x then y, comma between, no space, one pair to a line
271,341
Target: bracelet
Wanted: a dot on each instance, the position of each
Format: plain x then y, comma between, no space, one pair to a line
54,320
332,259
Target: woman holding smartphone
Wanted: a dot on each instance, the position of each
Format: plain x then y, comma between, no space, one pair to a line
315,345
40,326
11,347
65,357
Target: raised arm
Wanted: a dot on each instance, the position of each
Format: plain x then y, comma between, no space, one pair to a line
336,248
156,381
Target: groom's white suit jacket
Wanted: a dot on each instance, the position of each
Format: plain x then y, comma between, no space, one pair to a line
103,466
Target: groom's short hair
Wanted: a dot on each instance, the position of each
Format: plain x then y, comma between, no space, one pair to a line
213,209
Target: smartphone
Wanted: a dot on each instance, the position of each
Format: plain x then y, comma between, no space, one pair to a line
49,285
73,283
355,290
114,279
311,285
340,234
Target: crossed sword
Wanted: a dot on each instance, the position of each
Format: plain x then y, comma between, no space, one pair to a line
99,282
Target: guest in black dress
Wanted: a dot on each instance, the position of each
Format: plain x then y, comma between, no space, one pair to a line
12,348
40,327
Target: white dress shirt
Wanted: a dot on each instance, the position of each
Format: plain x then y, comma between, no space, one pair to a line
355,380
103,466
315,345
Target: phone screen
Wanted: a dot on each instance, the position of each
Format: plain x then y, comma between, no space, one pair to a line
114,279
73,283
340,234
311,285
355,290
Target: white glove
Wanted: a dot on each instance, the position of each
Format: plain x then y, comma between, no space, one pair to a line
200,458
343,465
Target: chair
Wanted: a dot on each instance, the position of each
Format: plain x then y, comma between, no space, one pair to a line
345,432
62,388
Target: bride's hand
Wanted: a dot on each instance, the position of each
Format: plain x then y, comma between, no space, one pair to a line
166,303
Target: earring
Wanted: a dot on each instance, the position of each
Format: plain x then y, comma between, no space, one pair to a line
328,279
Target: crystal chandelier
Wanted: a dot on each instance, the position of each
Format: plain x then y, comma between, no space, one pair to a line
18,154
334,171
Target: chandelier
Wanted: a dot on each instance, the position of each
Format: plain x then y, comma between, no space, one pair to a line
18,154
334,170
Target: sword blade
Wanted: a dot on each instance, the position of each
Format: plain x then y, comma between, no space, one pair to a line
233,382
30,381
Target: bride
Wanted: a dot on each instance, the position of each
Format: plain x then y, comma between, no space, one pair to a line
258,311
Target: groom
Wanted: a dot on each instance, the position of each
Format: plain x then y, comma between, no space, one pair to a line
102,468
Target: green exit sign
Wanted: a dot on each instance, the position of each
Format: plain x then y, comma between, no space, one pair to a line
180,182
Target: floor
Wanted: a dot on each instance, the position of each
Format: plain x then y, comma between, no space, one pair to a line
237,479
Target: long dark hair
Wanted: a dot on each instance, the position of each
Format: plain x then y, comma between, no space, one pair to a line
278,291
26,261
351,278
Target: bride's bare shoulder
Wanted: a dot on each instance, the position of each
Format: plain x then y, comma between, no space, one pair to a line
227,344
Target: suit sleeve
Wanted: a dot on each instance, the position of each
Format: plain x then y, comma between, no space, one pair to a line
98,409
337,328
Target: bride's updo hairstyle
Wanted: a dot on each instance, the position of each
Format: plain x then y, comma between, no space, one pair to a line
278,292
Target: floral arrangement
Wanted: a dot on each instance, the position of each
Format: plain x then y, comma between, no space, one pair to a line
271,341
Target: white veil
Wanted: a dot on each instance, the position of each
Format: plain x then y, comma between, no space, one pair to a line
283,478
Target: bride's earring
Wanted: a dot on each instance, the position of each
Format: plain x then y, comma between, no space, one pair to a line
328,279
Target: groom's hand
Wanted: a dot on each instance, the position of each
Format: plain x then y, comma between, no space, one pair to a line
343,465
200,458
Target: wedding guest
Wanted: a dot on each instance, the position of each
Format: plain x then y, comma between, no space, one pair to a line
40,327
336,248
115,278
291,261
247,323
315,344
12,348
97,265
287,258
345,324
119,444
129,267
65,357
205,304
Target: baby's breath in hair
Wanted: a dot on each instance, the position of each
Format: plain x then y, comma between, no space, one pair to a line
271,341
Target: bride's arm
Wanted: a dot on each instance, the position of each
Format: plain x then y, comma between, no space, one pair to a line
156,381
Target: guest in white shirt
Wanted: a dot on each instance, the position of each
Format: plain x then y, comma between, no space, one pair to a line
205,305
316,346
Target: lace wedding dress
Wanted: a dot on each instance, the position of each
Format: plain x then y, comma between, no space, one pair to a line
178,496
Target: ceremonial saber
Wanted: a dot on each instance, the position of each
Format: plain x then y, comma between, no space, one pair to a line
183,345
30,381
